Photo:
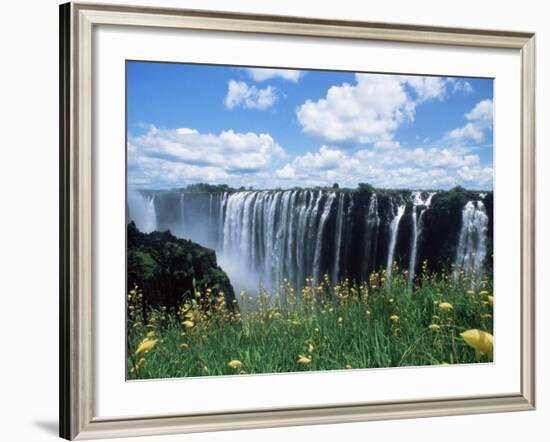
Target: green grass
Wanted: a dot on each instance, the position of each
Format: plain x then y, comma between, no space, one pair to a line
334,327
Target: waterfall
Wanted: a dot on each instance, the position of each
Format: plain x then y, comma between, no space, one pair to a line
472,242
221,217
264,237
371,235
280,235
141,210
338,243
417,201
304,213
319,240
394,229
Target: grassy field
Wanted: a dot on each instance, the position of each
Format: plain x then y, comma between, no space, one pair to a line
332,327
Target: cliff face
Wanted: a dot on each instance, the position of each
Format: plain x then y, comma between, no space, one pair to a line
169,269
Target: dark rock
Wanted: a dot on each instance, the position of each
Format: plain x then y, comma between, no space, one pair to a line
169,270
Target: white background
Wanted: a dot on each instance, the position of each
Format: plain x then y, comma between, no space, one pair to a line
29,183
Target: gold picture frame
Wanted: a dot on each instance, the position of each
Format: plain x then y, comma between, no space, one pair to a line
77,21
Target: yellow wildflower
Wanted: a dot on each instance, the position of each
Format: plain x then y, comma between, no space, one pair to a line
188,324
470,292
137,366
486,316
310,347
394,318
184,345
445,306
434,327
145,345
234,363
340,319
150,334
479,340
491,299
303,360
483,293
348,366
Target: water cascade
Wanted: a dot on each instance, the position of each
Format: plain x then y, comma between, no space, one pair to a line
338,235
262,237
472,242
372,226
141,209
417,201
394,229
319,241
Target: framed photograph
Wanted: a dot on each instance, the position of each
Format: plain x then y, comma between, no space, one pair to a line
271,220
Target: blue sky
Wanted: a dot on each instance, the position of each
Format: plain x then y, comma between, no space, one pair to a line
271,128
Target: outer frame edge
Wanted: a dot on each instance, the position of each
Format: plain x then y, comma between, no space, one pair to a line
98,429
528,225
76,420
65,393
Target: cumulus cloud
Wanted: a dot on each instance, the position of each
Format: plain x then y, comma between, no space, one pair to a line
262,74
462,86
426,88
240,94
400,167
480,119
470,131
482,112
366,112
371,110
175,157
185,155
476,175
144,171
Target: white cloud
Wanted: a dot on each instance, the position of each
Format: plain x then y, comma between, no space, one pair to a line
326,159
371,110
262,74
395,168
482,112
476,175
240,94
387,144
426,88
469,131
480,119
287,171
175,157
461,86
157,172
366,112
185,155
